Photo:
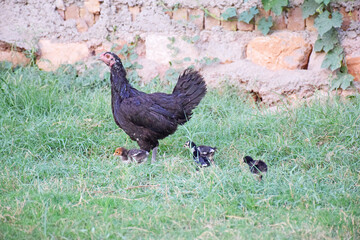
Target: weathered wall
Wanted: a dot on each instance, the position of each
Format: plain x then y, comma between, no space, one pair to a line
283,62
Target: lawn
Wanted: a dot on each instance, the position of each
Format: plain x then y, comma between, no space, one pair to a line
59,179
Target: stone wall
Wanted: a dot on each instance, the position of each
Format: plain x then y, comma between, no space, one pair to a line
176,35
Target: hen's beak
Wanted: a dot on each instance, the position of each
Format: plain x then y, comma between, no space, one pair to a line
102,57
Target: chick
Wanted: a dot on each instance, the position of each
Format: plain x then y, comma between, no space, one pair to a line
205,151
132,155
200,159
208,152
256,166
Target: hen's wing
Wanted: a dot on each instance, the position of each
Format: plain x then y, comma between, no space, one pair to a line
156,112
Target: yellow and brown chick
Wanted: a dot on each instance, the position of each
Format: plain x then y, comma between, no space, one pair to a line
132,155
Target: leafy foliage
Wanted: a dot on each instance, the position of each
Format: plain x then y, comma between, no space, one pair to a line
327,42
191,40
324,23
342,80
207,60
326,2
247,16
309,8
275,6
229,14
175,50
265,24
333,58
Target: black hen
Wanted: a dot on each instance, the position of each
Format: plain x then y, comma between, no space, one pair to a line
146,118
256,166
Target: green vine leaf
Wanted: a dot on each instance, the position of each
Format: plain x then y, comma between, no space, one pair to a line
274,5
333,59
326,2
265,25
229,14
309,8
327,42
247,16
324,23
342,80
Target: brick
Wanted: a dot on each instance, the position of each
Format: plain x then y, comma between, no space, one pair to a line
282,50
92,5
180,15
59,4
96,17
353,64
72,12
315,60
81,25
61,13
278,22
87,16
309,23
295,20
242,26
169,13
134,12
229,25
348,17
54,54
211,22
114,46
196,16
16,58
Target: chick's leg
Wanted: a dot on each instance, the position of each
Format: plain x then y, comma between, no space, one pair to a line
153,156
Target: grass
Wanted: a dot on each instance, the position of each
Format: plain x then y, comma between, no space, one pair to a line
59,180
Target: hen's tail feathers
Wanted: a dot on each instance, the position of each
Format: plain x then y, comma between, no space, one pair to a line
189,89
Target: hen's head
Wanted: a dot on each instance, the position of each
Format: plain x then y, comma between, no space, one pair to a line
119,151
110,58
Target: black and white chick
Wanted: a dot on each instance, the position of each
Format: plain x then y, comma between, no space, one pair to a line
132,155
199,158
256,166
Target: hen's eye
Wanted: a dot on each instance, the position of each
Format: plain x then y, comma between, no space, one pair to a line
107,56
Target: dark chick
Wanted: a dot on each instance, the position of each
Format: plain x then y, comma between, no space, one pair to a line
199,159
207,151
256,166
147,118
132,155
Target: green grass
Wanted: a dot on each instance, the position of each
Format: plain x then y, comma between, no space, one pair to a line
59,180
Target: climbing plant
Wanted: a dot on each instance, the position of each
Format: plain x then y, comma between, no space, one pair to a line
327,22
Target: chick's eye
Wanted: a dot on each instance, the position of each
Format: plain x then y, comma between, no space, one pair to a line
107,56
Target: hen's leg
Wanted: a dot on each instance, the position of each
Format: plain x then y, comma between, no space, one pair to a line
153,156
